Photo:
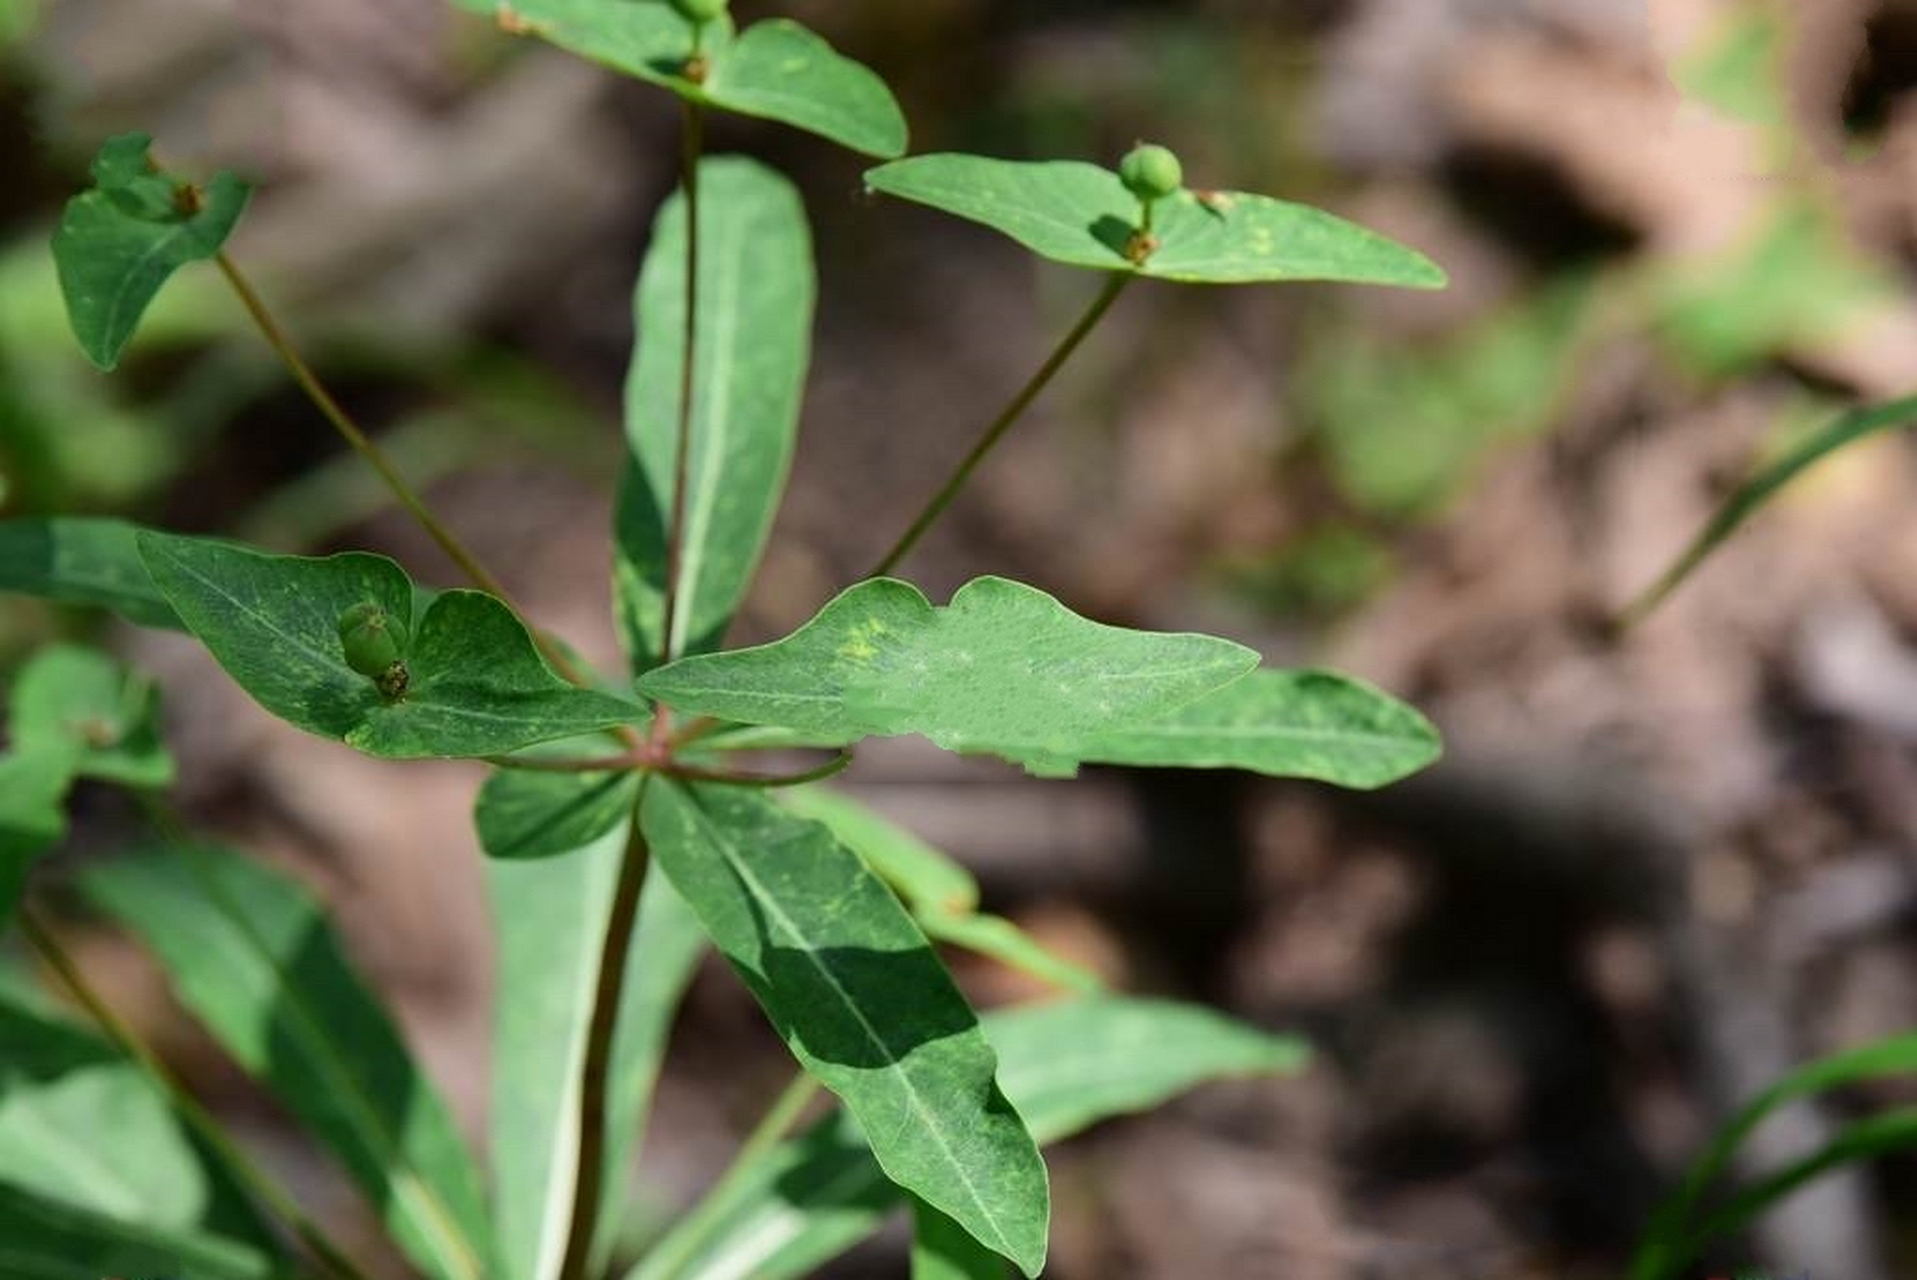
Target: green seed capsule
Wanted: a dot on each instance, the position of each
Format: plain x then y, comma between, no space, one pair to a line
374,641
1151,172
700,11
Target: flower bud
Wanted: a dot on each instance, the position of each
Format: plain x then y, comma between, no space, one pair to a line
1151,172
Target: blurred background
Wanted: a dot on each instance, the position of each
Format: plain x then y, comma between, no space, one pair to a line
1652,873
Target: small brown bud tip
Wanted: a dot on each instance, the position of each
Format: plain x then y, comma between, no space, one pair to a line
1151,172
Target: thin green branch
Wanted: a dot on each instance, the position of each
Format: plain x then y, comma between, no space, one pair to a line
258,1183
696,1228
596,1073
1114,286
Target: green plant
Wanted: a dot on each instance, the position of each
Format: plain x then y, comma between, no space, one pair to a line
624,833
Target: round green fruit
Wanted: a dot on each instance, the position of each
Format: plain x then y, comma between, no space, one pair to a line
1151,172
374,641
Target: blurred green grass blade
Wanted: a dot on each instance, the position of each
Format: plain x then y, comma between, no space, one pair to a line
1668,1237
941,1250
119,241
861,1000
255,959
753,346
83,560
1065,1065
42,1239
1761,488
1879,1135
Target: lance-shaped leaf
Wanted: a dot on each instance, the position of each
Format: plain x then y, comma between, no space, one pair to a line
252,955
67,696
942,1251
775,70
756,290
1003,669
551,921
1290,724
33,788
524,815
851,985
941,894
476,685
120,240
82,560
1065,1066
43,1239
1082,215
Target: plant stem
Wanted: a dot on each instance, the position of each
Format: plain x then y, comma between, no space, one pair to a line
277,338
248,1174
596,1073
1114,286
692,142
696,1227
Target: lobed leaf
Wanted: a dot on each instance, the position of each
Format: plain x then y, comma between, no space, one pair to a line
477,685
1762,487
756,292
1289,724
72,698
252,955
42,1239
1083,216
1064,1065
1004,669
775,70
858,996
551,922
82,560
119,242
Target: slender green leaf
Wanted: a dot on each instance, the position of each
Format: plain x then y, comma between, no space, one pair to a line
1082,215
862,1001
1668,1241
1763,486
67,696
1003,669
756,289
942,1251
43,1239
85,561
1291,724
775,70
781,71
941,894
1883,1134
120,240
33,787
551,922
1064,1065
524,815
477,685
252,955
